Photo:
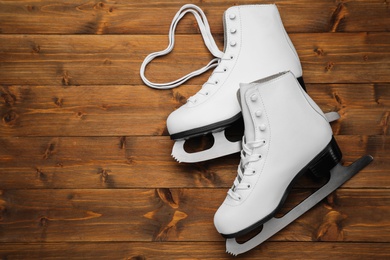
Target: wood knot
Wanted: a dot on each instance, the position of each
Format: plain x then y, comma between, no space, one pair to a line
58,101
40,174
105,106
50,149
9,99
43,222
80,115
319,52
338,15
331,228
338,99
103,175
122,143
36,48
60,165
66,79
10,118
331,201
179,98
329,66
169,197
31,8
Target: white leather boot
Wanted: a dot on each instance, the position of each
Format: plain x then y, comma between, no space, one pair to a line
286,135
256,46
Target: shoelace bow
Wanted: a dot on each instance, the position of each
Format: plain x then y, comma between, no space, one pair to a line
247,156
208,40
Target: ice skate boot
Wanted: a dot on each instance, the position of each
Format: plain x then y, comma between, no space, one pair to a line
256,45
286,135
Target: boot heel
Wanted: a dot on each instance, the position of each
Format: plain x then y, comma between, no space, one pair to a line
326,160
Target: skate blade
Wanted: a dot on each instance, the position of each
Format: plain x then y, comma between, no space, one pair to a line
332,116
221,147
338,176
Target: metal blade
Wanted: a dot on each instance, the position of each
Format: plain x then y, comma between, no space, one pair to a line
221,147
338,176
332,116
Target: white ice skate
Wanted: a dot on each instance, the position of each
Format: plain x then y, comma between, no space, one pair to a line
286,135
256,45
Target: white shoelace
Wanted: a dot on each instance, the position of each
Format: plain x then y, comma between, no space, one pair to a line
207,38
247,156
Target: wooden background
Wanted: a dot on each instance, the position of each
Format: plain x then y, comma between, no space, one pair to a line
85,166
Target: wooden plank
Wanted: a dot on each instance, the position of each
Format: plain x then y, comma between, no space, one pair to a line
192,250
62,215
151,17
116,59
145,162
138,110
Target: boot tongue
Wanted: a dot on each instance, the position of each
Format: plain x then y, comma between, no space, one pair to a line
246,114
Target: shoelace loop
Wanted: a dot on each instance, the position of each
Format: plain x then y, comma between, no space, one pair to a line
207,38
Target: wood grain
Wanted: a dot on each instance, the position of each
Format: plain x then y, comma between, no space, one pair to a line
85,165
116,59
66,215
126,162
138,110
139,17
191,250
